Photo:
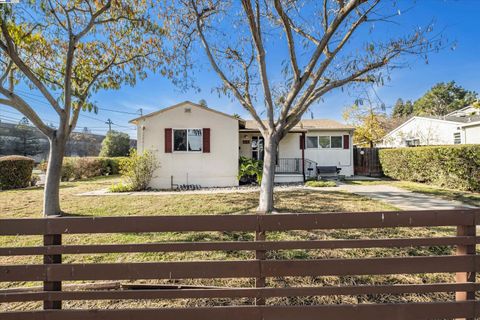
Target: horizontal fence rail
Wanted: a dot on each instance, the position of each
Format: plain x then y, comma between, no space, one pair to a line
53,271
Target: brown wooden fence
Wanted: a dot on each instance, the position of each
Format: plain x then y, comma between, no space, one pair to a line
366,162
465,264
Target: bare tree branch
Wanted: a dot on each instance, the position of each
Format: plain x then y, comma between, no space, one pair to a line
9,49
94,17
290,41
255,28
15,101
218,70
330,31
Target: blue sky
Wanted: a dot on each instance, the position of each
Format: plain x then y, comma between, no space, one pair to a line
458,20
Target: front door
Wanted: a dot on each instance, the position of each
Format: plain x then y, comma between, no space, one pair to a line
257,148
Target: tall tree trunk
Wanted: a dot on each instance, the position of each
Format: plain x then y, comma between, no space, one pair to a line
266,187
51,199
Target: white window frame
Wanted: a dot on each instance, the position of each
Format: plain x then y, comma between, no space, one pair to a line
330,142
186,151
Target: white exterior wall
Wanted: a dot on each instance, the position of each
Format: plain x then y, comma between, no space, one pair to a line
427,131
215,169
290,148
472,134
342,158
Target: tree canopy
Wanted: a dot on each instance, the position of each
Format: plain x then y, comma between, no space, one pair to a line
115,144
441,99
66,50
369,118
402,109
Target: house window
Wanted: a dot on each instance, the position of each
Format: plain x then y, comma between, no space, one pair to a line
187,140
312,142
336,142
457,138
324,141
257,148
413,142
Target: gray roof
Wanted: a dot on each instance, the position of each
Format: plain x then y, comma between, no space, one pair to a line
465,119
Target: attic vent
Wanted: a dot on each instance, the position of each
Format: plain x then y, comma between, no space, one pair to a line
188,110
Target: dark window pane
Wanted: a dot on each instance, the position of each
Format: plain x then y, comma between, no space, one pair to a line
337,141
312,142
180,140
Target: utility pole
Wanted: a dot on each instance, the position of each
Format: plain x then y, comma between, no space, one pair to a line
109,122
140,111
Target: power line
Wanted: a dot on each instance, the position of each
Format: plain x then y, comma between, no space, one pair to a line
140,111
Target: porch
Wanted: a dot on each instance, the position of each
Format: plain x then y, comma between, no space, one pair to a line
294,167
291,166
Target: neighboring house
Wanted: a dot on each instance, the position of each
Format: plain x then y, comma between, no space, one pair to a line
459,127
196,145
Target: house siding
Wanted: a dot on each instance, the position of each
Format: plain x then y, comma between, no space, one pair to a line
342,158
289,147
472,134
427,131
217,168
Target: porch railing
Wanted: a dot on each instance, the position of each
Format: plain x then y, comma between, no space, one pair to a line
294,166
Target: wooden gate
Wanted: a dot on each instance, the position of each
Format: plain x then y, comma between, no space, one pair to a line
367,162
54,271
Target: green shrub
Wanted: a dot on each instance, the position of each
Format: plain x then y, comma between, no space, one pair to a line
111,165
250,170
115,144
75,168
137,171
88,167
15,172
455,167
320,184
120,187
68,169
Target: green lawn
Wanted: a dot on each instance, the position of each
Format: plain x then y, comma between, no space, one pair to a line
27,203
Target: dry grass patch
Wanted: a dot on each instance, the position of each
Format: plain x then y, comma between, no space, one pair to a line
27,203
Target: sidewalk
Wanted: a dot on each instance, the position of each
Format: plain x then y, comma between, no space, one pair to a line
403,199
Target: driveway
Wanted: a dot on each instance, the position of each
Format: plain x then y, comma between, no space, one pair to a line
403,199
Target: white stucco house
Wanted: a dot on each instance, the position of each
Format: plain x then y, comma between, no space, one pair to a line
197,145
459,127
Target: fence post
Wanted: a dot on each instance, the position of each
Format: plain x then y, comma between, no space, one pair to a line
469,231
52,239
260,255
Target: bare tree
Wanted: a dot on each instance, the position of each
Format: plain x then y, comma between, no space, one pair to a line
67,50
321,54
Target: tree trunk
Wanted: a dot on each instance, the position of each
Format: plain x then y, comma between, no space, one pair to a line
51,199
266,187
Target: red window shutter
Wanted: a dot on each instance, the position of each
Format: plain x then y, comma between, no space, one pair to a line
346,141
168,140
302,142
206,140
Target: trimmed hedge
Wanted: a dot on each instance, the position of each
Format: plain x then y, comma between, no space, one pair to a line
455,167
15,172
75,168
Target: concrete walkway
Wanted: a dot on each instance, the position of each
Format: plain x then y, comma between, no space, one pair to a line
403,199
397,197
